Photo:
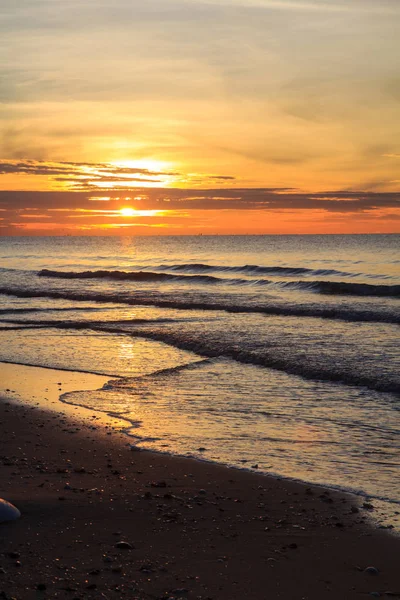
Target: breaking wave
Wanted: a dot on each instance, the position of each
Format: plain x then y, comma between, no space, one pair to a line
344,288
339,312
127,276
252,270
321,287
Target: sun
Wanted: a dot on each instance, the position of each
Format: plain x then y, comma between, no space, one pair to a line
127,212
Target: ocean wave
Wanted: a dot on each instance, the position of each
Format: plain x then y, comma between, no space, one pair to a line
322,287
344,288
141,276
252,270
214,349
306,370
343,313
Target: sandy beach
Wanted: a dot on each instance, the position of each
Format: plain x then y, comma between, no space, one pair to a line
100,520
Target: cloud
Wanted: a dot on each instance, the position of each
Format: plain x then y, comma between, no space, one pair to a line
279,92
72,169
217,199
92,176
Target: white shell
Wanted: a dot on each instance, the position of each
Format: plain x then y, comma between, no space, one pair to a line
8,512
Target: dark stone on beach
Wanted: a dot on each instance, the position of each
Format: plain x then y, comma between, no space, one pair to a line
116,569
368,506
146,568
201,449
254,466
159,484
325,498
371,571
91,586
41,587
123,546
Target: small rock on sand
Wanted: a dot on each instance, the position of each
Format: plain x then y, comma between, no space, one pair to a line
124,545
371,571
8,512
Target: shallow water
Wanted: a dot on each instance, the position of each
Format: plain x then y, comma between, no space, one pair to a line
280,351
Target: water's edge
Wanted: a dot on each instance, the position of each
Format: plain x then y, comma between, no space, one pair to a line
383,506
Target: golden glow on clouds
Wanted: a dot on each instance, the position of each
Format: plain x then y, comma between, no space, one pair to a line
208,211
146,164
123,176
215,95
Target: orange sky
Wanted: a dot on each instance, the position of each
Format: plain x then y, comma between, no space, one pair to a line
182,211
163,107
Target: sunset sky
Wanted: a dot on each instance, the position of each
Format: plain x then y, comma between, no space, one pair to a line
191,116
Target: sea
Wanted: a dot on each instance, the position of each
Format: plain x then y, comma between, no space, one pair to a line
273,353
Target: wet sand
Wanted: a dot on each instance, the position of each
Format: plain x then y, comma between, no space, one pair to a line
102,521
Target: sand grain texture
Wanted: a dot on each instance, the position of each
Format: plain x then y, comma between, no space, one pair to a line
191,530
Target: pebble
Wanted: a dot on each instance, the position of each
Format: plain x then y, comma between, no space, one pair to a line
159,484
124,545
116,569
8,512
91,586
371,571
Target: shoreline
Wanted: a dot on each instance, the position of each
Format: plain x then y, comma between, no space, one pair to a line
109,376
197,529
50,393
